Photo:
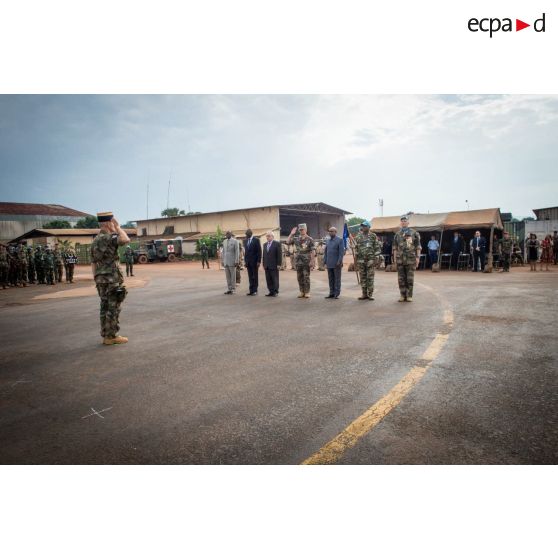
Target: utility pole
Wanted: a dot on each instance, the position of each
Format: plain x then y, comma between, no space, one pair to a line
147,201
381,204
188,200
168,193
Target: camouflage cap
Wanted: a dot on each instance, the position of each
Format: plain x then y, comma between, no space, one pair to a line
365,223
404,217
302,226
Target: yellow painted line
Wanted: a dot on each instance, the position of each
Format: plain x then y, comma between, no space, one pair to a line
334,449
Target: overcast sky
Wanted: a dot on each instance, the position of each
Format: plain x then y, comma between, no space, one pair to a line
419,153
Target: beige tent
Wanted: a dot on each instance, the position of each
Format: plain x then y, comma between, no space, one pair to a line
452,220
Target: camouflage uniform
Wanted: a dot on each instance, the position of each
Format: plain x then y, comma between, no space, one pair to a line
303,251
129,259
406,245
12,265
21,265
204,253
3,266
505,248
367,250
48,266
30,265
320,255
70,260
58,265
39,265
285,255
109,281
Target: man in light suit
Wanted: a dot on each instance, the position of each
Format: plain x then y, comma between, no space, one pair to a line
272,257
478,249
333,261
231,257
252,259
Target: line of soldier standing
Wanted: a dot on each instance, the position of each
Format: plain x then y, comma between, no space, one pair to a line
21,265
367,250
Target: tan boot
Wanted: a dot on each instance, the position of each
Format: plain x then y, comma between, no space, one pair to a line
301,295
306,295
118,340
402,298
409,299
363,297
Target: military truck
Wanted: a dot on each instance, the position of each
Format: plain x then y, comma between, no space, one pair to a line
158,251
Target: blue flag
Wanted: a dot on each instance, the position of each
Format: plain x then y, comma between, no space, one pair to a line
346,235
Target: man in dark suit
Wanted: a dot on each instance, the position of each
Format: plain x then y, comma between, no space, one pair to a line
457,248
272,257
478,248
333,260
252,259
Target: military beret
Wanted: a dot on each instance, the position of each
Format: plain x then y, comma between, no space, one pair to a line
105,216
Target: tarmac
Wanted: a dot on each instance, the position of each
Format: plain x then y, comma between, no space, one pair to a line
214,379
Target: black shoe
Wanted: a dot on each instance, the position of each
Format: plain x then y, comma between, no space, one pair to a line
274,294
336,296
227,292
269,294
329,296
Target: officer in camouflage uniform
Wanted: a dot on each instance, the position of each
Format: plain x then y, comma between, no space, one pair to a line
320,255
30,265
22,265
58,264
39,265
204,253
304,258
367,250
48,266
285,255
71,260
108,277
129,259
505,249
3,266
406,252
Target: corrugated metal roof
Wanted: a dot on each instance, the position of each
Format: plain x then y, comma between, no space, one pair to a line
38,233
12,208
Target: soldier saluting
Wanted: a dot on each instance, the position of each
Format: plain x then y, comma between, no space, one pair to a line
367,251
406,252
108,277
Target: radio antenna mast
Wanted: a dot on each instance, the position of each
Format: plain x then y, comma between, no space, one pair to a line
168,191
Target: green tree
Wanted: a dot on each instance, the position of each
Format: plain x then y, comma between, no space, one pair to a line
89,222
172,212
129,225
212,241
58,224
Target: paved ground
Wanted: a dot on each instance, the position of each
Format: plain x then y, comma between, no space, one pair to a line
208,378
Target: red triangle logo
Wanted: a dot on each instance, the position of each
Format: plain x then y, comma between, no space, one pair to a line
519,25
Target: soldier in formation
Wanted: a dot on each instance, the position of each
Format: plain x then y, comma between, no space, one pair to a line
367,251
204,254
21,255
48,266
305,254
505,249
38,260
129,259
108,277
285,255
70,259
4,266
58,264
406,252
30,265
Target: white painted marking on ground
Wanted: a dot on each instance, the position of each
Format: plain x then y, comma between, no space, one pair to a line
98,413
